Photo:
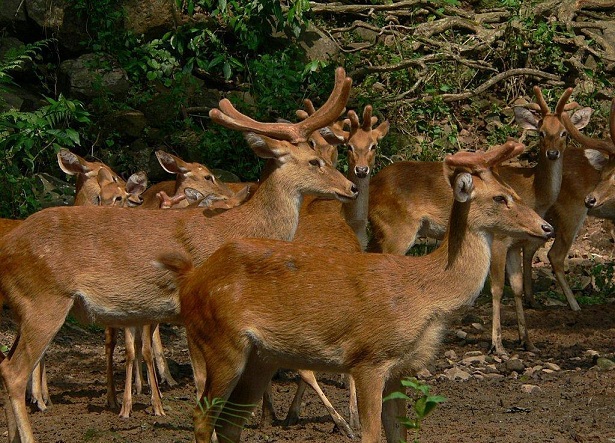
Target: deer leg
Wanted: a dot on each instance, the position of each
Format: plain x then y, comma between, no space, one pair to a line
529,250
31,343
292,416
565,234
137,367
36,384
148,357
161,361
245,396
370,385
398,239
110,342
515,277
310,378
392,410
268,411
497,277
353,407
129,339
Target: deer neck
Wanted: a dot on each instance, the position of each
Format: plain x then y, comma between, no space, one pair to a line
459,267
356,211
547,183
275,197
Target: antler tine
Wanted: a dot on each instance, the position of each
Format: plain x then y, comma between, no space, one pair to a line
477,161
561,104
333,107
301,114
544,108
367,118
571,105
532,106
309,106
588,142
231,118
354,122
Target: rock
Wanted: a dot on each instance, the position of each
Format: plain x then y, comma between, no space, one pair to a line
514,364
478,327
85,80
461,334
424,374
530,389
552,366
127,122
456,374
604,364
149,17
450,354
473,360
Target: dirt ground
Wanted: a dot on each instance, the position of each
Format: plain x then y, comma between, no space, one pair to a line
559,394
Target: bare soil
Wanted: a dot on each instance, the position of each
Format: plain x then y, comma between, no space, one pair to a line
559,394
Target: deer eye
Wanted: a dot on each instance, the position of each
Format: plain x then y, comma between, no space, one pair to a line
351,148
563,134
209,178
543,134
373,147
315,162
499,199
312,144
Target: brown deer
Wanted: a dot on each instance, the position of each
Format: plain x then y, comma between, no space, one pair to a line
409,199
92,177
192,175
125,288
584,172
375,316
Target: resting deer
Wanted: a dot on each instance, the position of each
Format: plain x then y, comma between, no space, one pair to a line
126,288
408,199
188,175
375,316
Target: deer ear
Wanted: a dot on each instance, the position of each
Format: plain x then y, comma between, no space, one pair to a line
192,195
580,118
170,163
382,129
266,147
71,163
596,159
463,187
526,118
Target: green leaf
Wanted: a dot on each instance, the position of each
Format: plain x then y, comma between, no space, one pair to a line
396,396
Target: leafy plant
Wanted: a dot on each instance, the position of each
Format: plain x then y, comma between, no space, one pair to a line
28,142
423,403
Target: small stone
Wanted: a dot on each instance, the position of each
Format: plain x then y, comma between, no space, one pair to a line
423,374
461,334
530,389
548,371
456,374
472,354
552,366
473,360
514,364
494,376
451,355
605,364
591,353
478,327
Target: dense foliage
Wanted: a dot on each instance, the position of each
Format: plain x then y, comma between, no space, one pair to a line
431,68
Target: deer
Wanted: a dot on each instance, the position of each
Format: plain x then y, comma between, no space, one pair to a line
409,199
127,288
375,316
362,141
585,171
92,177
193,175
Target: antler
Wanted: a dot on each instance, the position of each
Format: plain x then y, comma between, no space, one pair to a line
541,104
479,161
230,117
592,143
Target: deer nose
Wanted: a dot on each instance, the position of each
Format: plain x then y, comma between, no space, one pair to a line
590,201
549,231
553,154
361,171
